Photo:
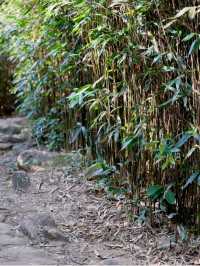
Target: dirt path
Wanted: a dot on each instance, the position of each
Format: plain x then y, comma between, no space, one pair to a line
79,225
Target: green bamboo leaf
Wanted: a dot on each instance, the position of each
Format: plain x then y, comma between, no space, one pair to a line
170,197
155,191
189,37
183,233
127,143
191,179
185,137
195,46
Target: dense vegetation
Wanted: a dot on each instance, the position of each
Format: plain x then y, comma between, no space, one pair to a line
7,99
120,80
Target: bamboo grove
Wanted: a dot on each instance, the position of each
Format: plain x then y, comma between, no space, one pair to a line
118,80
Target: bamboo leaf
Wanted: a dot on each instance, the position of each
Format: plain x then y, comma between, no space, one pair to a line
185,137
170,197
155,191
190,180
190,152
183,11
189,37
182,232
127,143
195,46
192,12
118,2
169,24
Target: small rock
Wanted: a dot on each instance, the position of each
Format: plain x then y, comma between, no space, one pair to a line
41,227
3,217
12,125
8,128
12,138
17,138
20,181
166,243
53,233
5,146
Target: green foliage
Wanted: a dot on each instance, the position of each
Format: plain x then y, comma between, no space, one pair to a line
194,177
7,98
156,192
120,77
183,233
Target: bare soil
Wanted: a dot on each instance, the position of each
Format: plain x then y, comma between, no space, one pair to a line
96,230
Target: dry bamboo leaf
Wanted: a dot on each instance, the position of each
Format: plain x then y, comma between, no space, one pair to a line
184,11
118,2
169,24
192,12
197,261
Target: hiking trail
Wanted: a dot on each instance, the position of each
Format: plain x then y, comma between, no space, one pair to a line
50,214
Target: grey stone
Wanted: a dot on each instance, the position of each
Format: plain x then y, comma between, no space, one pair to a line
5,146
20,181
4,215
41,227
10,128
12,138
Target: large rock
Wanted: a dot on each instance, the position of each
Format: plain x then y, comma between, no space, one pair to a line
41,228
29,158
